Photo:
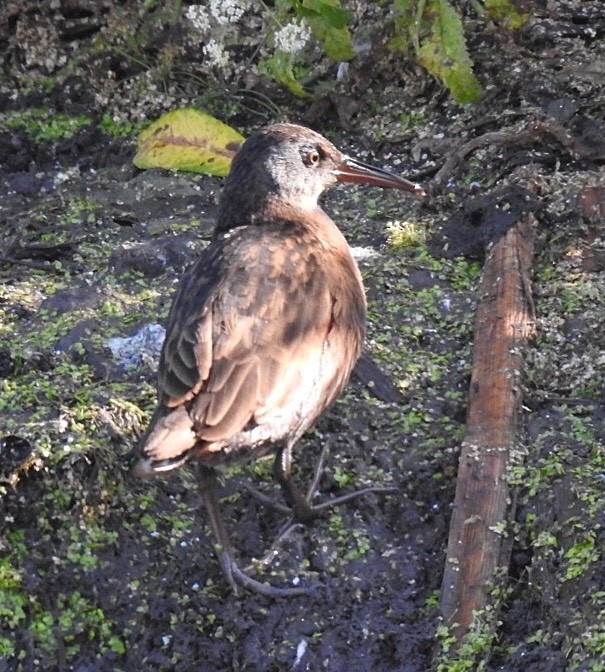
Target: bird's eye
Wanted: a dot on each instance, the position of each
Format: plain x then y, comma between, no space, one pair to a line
313,157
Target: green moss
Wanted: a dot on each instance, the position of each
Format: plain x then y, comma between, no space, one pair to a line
13,600
260,469
581,556
353,542
409,119
45,125
119,129
85,544
535,478
42,629
77,618
343,477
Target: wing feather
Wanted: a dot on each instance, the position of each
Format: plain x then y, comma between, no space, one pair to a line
235,392
242,330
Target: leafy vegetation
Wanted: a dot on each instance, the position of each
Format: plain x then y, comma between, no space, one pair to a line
433,28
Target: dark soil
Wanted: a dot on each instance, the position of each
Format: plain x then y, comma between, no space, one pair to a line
99,572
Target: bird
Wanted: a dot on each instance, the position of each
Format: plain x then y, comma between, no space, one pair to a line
265,328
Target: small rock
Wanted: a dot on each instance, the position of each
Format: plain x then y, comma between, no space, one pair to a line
14,450
130,351
154,257
82,330
26,184
7,365
73,299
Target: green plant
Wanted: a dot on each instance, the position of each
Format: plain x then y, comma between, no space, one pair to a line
117,128
473,652
343,477
435,30
582,554
12,602
353,542
437,34
292,24
405,235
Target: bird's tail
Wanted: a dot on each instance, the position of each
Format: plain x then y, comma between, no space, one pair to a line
167,443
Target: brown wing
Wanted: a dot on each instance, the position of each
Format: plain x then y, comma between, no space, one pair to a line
254,311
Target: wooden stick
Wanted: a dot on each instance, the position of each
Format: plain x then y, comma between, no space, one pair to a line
503,323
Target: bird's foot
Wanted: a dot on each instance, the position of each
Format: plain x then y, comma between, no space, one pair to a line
267,500
238,577
302,511
300,507
234,575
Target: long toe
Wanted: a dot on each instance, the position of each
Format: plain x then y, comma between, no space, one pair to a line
266,588
266,500
318,509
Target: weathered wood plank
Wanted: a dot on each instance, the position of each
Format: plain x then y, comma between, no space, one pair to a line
504,321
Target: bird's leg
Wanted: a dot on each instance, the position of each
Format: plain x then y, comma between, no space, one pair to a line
343,499
282,472
207,482
301,505
303,511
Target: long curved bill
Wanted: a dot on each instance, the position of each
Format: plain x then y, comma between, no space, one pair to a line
351,170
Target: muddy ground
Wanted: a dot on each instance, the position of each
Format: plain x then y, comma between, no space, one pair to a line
99,572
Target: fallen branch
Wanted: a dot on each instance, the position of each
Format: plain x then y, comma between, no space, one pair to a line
35,265
538,131
503,323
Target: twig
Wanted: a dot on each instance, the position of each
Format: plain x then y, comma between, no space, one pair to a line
516,137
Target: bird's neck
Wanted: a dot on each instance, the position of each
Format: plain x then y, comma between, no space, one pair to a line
258,209
235,212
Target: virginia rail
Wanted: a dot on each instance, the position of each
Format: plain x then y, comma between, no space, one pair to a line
266,327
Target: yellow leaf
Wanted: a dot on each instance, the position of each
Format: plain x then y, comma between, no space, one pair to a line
190,140
444,54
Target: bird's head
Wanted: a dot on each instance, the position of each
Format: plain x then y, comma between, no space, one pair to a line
297,165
